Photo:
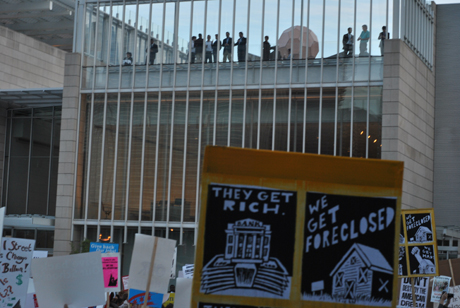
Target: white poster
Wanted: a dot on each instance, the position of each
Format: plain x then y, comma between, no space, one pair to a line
141,259
188,270
75,280
455,301
15,258
440,283
421,285
183,292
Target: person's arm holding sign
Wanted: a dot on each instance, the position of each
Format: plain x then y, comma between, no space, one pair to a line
445,296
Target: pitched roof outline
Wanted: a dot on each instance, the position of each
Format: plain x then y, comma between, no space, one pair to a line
372,257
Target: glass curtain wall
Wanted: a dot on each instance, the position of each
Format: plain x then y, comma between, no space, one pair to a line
143,153
31,160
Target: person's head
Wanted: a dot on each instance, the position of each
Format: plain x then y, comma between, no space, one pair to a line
384,28
350,29
151,41
289,50
266,38
217,36
200,36
227,34
365,27
128,54
209,37
193,38
241,34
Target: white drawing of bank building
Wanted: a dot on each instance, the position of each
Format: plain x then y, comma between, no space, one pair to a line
248,241
363,272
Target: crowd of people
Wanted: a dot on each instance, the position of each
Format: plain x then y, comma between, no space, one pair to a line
212,48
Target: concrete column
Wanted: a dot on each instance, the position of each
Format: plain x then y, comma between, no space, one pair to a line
408,121
68,142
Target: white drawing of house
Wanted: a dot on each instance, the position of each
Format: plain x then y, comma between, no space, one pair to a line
248,241
423,235
425,266
363,272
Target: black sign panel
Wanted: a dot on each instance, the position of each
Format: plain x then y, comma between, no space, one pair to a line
419,228
249,241
402,271
348,249
422,259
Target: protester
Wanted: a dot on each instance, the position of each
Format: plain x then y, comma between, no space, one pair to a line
444,301
128,60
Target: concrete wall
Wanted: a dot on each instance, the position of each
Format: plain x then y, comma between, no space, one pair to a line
28,63
447,112
408,121
66,171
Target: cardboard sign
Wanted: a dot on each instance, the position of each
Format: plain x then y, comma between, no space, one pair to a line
187,270
270,220
440,284
75,280
15,259
144,253
111,271
417,245
421,285
136,299
103,247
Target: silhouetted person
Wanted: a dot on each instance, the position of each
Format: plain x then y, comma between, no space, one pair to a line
199,48
208,55
364,38
227,42
241,43
348,43
216,46
153,50
382,37
128,60
266,50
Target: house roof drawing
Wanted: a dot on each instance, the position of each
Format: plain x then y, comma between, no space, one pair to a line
372,257
423,230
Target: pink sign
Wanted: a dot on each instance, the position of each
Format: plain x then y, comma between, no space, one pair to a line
110,269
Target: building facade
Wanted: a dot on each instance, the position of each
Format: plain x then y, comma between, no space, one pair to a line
132,137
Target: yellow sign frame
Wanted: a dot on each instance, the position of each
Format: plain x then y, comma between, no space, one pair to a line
432,243
302,173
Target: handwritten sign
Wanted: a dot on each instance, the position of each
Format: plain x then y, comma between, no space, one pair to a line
440,284
136,298
125,280
143,254
75,280
111,271
455,301
421,285
103,247
15,257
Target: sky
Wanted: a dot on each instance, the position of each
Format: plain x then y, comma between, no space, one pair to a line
446,1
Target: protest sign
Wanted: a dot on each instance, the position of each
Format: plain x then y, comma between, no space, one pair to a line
187,270
125,280
440,284
421,285
2,217
75,280
111,271
183,292
455,301
145,251
136,298
268,220
173,265
15,258
417,245
103,247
